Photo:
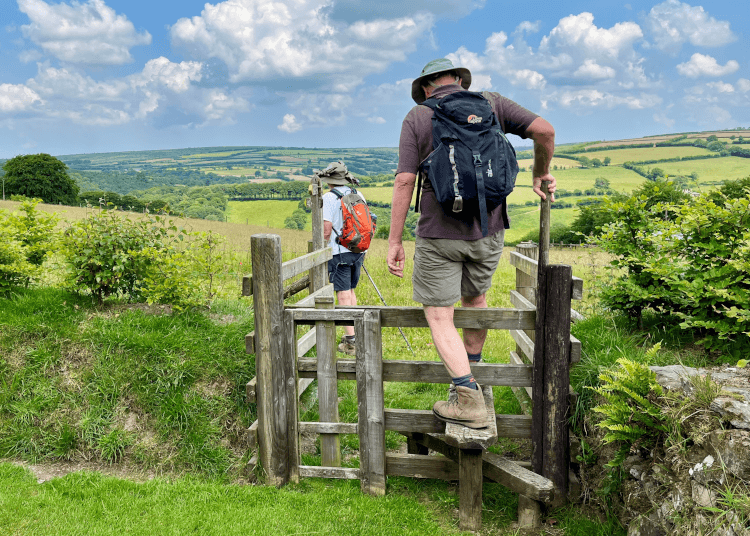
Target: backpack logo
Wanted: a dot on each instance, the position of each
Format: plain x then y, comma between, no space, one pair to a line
473,119
357,229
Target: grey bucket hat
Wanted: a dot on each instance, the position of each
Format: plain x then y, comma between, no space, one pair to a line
434,67
336,174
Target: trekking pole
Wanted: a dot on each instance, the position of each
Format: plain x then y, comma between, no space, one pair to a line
383,300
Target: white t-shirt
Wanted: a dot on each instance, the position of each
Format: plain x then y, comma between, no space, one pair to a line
332,213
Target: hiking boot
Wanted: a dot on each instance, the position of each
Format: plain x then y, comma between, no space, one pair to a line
466,408
347,345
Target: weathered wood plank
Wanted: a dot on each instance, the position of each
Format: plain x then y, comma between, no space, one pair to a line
328,401
424,421
525,283
470,489
575,349
313,471
306,342
523,343
250,343
339,315
420,466
428,372
517,479
288,404
297,286
309,301
529,513
250,390
517,300
302,264
529,267
463,317
469,438
318,274
247,285
312,427
575,316
518,360
550,456
252,436
291,290
369,348
272,377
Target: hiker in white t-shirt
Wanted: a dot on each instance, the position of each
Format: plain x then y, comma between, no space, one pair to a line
345,267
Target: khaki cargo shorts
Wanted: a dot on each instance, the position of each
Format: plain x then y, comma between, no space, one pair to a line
446,269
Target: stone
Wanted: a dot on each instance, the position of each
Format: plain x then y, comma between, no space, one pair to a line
644,526
703,496
734,403
730,448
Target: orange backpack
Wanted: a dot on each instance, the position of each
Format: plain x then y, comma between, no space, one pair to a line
357,230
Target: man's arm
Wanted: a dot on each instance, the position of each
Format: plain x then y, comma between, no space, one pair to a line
403,188
327,230
543,135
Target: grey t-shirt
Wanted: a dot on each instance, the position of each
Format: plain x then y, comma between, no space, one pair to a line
416,144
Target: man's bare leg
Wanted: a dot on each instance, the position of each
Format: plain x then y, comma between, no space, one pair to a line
347,297
474,338
447,341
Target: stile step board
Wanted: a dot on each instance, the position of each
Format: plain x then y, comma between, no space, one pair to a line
516,478
462,437
514,475
314,471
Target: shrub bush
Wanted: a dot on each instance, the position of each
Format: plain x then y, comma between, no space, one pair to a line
111,255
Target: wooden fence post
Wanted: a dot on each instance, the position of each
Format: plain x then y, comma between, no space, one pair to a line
370,400
318,274
328,402
550,455
276,396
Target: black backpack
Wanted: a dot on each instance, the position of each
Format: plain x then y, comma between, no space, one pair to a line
473,166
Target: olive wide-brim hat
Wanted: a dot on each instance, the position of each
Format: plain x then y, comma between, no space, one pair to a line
336,174
434,67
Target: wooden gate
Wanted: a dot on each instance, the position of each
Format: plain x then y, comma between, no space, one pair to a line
281,374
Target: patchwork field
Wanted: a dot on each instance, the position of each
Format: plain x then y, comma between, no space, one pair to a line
713,170
619,156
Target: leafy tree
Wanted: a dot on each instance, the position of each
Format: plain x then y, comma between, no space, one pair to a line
600,182
607,160
585,162
40,176
596,162
712,137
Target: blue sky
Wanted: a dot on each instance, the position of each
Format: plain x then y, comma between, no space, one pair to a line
90,76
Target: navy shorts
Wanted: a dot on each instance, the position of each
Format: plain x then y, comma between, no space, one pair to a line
344,269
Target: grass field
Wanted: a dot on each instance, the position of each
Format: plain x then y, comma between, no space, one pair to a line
619,156
713,170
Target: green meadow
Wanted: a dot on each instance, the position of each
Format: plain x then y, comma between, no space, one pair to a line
710,170
618,156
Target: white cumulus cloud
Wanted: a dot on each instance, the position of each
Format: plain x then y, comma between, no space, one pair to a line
743,84
376,120
272,40
703,65
289,124
87,33
17,97
591,69
673,23
578,33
